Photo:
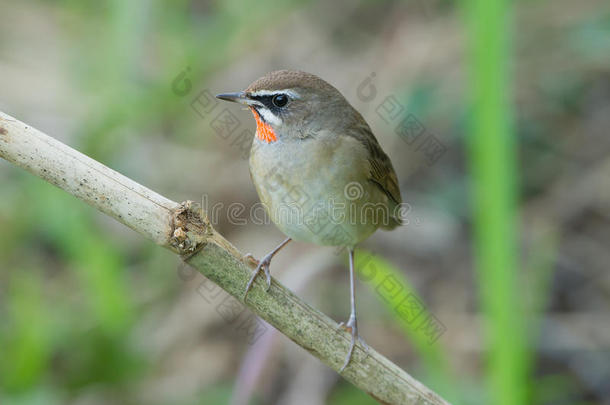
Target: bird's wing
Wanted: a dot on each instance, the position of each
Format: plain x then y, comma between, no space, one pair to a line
382,173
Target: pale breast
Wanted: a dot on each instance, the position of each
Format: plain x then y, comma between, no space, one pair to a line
317,189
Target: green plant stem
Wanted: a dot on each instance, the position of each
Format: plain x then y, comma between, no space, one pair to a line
493,166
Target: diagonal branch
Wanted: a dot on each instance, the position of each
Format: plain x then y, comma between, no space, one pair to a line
188,233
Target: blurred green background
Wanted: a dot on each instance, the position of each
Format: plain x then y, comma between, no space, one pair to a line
505,247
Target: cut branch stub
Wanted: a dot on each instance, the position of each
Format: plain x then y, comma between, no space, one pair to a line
190,230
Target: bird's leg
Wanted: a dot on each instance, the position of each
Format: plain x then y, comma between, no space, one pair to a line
263,265
352,323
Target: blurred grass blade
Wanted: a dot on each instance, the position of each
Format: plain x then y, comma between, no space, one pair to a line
25,340
493,166
98,263
421,327
537,287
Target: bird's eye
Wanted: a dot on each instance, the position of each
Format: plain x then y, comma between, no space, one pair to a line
280,100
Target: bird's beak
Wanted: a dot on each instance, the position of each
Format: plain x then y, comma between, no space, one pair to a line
240,97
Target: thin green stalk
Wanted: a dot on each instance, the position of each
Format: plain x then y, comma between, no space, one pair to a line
421,327
493,166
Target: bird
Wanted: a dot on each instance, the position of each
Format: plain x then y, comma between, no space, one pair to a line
318,170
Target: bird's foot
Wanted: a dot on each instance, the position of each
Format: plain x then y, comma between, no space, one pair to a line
250,260
352,326
261,265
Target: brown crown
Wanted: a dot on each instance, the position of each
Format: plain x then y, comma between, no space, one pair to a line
288,79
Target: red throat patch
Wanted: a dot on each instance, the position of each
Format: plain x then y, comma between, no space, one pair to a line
264,132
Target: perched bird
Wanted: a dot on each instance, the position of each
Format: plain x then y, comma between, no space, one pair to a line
317,168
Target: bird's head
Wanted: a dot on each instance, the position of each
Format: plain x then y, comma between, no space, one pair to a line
288,104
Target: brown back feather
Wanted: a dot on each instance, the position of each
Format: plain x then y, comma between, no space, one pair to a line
382,171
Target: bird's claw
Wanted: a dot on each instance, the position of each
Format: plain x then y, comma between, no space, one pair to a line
249,258
342,325
352,327
260,265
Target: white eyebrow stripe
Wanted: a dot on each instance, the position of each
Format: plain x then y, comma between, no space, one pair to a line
291,93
